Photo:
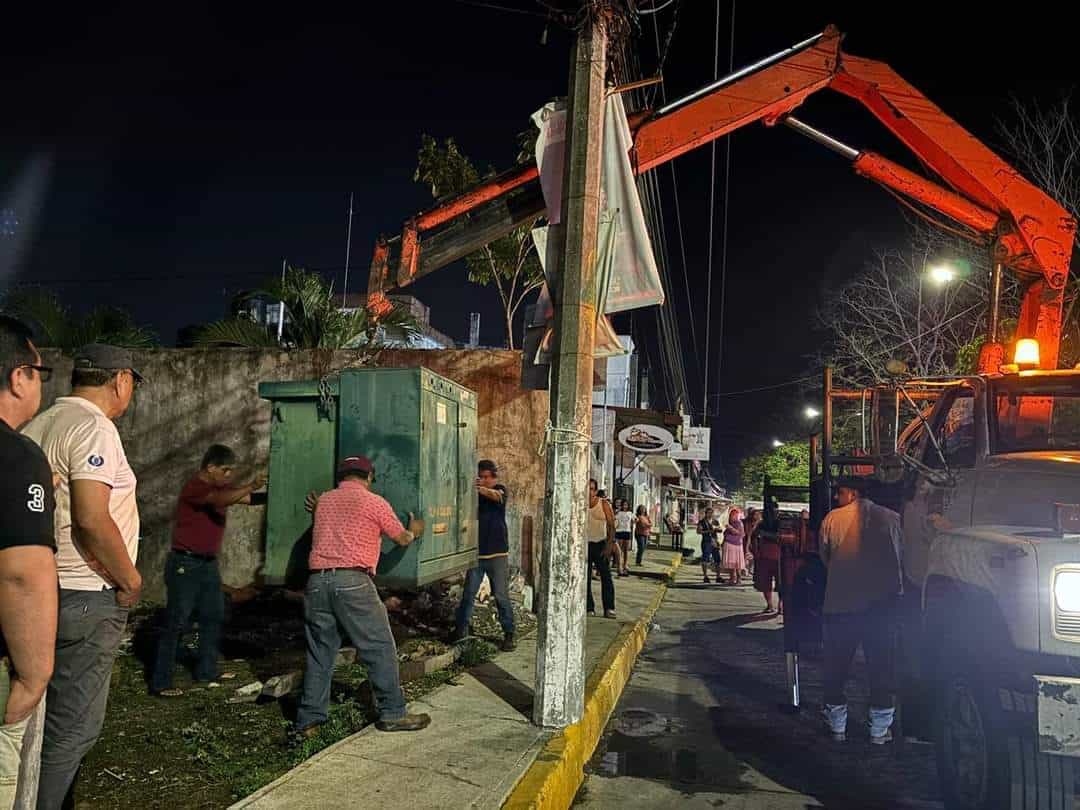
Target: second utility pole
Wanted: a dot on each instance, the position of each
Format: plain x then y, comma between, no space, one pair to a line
560,646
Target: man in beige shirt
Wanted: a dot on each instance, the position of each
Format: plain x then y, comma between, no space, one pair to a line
860,543
97,536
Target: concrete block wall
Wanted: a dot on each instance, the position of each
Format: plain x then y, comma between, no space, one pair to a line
198,397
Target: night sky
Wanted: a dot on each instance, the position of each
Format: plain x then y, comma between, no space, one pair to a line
192,151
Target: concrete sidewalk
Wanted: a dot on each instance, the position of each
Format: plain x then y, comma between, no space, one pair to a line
480,741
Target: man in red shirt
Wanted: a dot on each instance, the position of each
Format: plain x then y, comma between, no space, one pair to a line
192,577
349,524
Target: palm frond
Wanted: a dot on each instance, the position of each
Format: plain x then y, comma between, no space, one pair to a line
58,328
40,309
235,332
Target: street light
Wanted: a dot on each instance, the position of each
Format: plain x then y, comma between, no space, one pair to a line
942,274
777,443
810,412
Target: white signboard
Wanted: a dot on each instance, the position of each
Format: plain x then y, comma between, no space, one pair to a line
695,446
646,439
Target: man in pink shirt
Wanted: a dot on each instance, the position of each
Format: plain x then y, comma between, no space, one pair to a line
349,524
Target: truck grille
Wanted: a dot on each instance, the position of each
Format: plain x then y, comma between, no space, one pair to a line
1067,624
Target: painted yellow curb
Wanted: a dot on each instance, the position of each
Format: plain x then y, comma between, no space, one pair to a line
554,778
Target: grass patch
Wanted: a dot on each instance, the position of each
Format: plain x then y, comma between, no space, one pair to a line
476,651
200,751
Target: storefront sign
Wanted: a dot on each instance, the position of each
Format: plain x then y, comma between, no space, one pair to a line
646,439
695,445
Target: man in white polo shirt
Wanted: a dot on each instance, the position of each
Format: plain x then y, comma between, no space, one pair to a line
97,535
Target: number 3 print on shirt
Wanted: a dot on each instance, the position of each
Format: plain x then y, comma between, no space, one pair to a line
37,498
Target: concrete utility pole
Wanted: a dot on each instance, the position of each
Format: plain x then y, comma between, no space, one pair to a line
560,647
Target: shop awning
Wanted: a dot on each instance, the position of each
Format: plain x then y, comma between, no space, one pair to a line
663,467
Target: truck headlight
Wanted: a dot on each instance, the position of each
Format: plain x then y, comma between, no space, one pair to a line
1067,591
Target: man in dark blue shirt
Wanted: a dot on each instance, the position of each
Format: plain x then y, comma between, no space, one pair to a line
494,553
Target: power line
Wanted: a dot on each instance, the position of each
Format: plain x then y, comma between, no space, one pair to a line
727,197
655,9
784,384
669,339
871,356
213,275
157,278
497,7
712,216
669,320
675,191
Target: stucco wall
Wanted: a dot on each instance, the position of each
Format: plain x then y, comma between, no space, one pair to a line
195,398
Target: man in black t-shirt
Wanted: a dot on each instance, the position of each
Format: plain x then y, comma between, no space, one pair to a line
28,585
494,553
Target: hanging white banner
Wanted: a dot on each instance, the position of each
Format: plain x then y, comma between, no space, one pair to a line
634,281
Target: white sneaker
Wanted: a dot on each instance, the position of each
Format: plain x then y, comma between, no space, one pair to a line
835,718
879,725
882,739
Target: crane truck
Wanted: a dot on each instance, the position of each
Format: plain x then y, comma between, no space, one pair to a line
987,473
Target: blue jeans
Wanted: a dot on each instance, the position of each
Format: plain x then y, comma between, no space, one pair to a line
347,597
497,570
642,544
193,586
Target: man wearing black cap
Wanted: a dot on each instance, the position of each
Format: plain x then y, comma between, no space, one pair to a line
350,522
97,538
860,545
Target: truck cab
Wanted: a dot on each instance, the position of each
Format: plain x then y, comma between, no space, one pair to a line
986,477
981,459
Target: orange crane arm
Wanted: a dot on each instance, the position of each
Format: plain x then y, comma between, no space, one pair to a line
1032,235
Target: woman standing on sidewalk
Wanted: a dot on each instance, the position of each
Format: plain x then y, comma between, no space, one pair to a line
642,530
624,530
600,532
733,557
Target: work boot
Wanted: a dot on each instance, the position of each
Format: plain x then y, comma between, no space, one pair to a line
410,722
508,644
301,735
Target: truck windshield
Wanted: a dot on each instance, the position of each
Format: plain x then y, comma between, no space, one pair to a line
1018,414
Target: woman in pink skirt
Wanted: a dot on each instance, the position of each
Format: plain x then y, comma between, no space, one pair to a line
733,557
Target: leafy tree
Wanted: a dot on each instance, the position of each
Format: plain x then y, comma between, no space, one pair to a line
788,464
59,328
510,262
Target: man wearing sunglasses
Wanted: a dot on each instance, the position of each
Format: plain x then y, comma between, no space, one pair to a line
27,568
97,537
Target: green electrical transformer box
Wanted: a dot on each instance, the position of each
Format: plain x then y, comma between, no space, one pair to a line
418,429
